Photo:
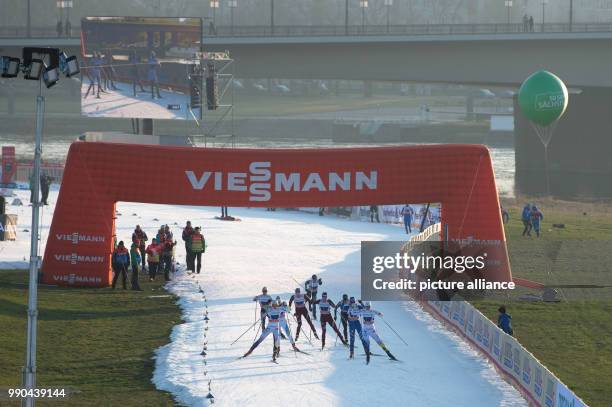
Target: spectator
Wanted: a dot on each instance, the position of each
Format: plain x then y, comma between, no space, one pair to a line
525,23
536,216
197,246
531,24
374,213
504,321
526,218
120,262
135,258
68,29
59,28
187,232
167,256
153,256
45,183
140,236
505,215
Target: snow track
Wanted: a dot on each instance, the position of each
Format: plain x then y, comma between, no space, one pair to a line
272,248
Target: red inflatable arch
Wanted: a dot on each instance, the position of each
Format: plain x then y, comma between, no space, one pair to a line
97,175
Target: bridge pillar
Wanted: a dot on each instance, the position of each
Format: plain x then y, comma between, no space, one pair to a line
579,153
367,89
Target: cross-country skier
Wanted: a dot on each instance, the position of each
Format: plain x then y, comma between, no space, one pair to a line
407,213
300,311
274,315
353,314
282,305
311,287
369,330
325,306
344,307
264,300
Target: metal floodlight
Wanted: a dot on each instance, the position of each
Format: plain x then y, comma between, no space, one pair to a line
50,76
10,67
34,70
69,65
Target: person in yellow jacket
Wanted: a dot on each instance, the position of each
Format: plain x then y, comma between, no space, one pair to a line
196,246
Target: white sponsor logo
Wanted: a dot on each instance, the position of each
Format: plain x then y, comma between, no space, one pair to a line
76,237
260,181
7,228
74,278
74,258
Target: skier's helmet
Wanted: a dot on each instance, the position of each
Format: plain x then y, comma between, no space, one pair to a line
314,276
352,300
345,296
297,290
324,294
367,305
264,290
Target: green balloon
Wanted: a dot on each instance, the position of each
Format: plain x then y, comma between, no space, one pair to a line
543,98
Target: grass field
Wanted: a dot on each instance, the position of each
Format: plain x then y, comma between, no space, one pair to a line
573,338
98,342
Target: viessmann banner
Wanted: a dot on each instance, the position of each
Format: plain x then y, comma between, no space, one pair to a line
97,175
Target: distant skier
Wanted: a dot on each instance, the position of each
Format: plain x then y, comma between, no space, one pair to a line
374,213
407,213
109,70
344,307
300,311
325,306
311,287
274,316
282,305
153,75
264,300
369,330
353,316
134,72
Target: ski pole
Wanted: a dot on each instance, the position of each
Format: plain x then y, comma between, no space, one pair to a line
298,283
255,316
394,331
247,330
257,333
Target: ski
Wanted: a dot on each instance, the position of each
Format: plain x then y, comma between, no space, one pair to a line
274,361
301,351
373,354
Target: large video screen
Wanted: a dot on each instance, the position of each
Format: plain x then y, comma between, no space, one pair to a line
141,67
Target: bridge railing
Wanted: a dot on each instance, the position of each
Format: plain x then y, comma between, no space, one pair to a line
344,30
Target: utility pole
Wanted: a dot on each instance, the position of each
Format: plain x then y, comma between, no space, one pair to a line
346,17
571,14
272,16
29,22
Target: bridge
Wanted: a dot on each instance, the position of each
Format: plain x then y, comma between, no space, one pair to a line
487,54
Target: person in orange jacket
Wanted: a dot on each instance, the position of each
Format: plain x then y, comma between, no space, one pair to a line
153,257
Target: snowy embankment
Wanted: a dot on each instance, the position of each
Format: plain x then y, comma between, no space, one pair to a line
271,249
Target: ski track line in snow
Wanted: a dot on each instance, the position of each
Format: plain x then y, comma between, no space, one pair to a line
272,248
